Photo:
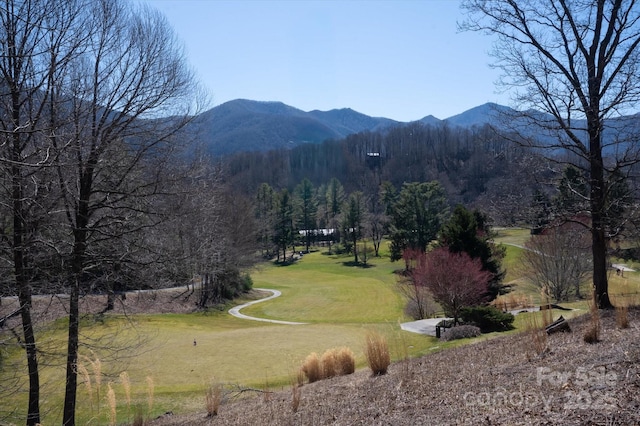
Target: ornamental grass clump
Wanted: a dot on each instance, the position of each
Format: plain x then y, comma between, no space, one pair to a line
333,362
346,361
329,364
536,335
312,368
377,353
213,399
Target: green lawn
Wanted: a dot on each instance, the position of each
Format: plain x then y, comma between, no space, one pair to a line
340,304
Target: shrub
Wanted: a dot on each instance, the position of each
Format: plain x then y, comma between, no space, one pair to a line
487,318
377,353
460,332
246,283
311,368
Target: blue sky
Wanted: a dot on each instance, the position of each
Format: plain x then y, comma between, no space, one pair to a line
401,59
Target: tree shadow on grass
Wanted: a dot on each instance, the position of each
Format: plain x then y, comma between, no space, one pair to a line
285,262
352,263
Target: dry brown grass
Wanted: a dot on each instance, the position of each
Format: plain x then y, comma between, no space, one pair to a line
489,382
377,353
592,335
213,399
622,317
329,364
512,301
333,362
346,361
296,396
536,342
312,367
111,400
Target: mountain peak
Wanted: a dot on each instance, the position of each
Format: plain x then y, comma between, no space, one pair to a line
477,116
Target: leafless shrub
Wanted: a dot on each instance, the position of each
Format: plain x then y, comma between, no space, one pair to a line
420,303
512,301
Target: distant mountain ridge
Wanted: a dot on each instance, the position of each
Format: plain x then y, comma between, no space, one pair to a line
244,125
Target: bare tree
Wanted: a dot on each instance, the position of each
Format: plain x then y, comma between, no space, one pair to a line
454,279
37,40
420,303
265,206
112,151
558,261
576,61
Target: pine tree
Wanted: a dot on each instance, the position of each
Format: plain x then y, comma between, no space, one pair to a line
468,232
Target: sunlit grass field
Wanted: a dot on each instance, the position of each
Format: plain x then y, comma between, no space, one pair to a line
338,302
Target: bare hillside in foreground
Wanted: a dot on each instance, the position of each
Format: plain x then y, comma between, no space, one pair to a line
495,382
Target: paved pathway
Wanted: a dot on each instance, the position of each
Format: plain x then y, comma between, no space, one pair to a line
274,293
423,326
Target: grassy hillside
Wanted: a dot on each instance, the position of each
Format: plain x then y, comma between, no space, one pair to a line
165,371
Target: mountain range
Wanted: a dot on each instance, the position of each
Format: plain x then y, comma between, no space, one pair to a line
246,125
243,125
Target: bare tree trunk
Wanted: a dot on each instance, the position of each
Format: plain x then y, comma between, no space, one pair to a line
24,296
597,198
71,384
79,250
20,267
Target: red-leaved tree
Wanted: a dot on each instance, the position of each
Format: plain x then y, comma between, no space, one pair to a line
454,279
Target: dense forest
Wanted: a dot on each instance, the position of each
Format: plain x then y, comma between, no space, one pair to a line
476,167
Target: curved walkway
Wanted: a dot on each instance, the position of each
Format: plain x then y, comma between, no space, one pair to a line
274,293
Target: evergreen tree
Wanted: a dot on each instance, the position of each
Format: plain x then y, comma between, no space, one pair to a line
573,194
334,199
416,217
283,235
354,216
468,231
540,213
307,209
